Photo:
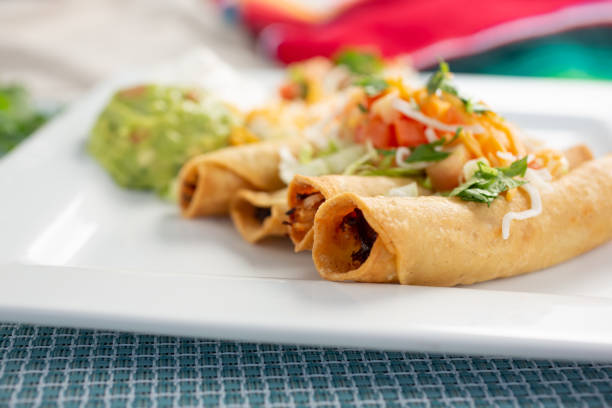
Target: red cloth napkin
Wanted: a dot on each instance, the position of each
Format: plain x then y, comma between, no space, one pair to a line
427,30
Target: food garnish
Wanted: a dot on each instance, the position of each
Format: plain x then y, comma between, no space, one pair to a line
488,182
359,62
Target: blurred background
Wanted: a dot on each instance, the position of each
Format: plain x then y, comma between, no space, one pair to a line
58,49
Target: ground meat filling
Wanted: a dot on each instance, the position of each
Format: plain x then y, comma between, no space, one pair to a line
301,217
261,213
187,193
356,224
188,188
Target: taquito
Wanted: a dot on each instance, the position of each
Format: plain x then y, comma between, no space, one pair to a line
208,182
257,214
577,155
305,195
440,241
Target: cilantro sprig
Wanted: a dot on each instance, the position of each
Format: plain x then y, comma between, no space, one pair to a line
372,85
430,152
427,153
442,80
359,62
474,107
488,182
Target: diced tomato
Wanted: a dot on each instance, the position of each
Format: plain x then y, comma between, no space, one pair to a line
371,99
536,165
408,132
377,131
290,91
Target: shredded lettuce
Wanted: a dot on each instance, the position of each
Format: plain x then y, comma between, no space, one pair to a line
390,172
332,160
306,154
369,155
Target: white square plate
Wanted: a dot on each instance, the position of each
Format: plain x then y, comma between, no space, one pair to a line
76,250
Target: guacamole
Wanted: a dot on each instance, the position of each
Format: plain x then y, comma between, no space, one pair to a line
146,133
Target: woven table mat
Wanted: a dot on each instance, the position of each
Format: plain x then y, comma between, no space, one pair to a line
47,367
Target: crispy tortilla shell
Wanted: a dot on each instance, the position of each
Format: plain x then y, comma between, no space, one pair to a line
208,182
258,214
439,241
303,188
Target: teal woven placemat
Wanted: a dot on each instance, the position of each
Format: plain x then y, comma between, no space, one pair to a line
47,367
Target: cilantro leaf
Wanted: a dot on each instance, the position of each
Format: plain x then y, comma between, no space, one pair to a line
518,168
487,182
441,80
427,152
455,137
471,107
372,85
359,62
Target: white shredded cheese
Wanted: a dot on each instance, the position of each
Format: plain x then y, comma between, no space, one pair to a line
401,154
405,108
409,190
534,211
431,135
506,156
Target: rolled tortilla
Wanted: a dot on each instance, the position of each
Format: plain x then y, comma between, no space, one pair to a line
208,182
577,155
257,214
306,194
441,241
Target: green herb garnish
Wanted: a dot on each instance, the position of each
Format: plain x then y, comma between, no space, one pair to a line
372,85
488,182
473,107
359,62
441,80
18,117
427,152
425,183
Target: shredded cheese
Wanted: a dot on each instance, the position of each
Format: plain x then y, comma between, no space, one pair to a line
431,135
534,211
407,109
506,156
400,155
